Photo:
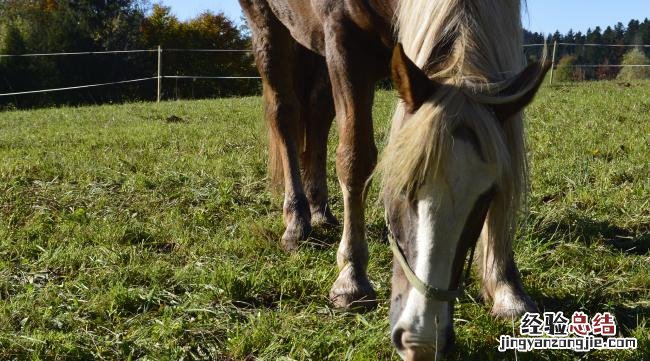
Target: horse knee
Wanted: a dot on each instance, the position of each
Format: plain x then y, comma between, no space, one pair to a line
354,165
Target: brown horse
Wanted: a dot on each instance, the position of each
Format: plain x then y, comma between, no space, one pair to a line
454,169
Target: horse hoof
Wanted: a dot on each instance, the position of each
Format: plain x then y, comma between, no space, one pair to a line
293,235
509,306
353,292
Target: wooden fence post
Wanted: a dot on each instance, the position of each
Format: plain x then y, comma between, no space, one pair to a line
553,60
159,74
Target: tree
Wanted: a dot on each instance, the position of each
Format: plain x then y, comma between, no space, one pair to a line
570,37
13,41
564,69
12,69
206,31
619,30
161,28
631,33
556,37
630,72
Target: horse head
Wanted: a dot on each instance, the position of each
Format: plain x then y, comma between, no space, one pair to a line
446,168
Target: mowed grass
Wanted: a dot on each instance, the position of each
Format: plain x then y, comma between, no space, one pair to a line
147,231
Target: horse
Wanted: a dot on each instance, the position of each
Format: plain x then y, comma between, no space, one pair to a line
454,170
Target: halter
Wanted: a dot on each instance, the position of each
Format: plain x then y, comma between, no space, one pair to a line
426,290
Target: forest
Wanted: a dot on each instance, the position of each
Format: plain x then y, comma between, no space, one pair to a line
577,61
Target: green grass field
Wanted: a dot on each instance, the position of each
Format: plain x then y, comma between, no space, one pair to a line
125,234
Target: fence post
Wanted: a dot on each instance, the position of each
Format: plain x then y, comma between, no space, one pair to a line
159,74
553,60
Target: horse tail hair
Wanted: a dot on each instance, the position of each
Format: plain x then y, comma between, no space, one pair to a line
275,168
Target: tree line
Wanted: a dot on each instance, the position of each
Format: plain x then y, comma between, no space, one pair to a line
635,33
53,26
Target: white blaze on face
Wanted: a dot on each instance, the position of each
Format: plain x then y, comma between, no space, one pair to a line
443,205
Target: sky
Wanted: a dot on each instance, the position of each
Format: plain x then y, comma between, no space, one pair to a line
543,16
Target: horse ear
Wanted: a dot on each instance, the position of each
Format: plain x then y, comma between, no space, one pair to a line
413,84
522,90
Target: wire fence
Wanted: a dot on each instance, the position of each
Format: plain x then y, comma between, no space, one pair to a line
78,53
79,87
159,77
574,61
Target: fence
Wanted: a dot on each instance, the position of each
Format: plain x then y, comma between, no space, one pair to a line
158,71
555,55
160,77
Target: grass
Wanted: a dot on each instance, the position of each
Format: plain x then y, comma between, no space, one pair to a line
147,231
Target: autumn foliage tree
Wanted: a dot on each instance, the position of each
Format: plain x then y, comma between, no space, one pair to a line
564,69
636,66
206,31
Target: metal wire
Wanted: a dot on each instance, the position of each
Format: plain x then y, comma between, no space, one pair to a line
590,44
210,50
77,53
209,77
607,45
608,66
77,87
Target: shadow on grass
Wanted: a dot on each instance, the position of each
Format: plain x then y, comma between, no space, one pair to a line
265,300
377,230
149,240
589,231
323,237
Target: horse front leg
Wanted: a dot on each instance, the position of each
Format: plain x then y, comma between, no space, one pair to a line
356,156
501,280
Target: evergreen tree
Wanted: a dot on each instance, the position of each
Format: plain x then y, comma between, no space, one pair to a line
619,30
570,37
632,31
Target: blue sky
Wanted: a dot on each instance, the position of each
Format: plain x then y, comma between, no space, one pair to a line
543,15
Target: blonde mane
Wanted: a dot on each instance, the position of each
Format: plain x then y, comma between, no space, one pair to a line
483,42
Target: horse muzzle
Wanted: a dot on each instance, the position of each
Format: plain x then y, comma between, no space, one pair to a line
413,347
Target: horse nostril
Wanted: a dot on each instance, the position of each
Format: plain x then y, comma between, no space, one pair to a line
398,332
